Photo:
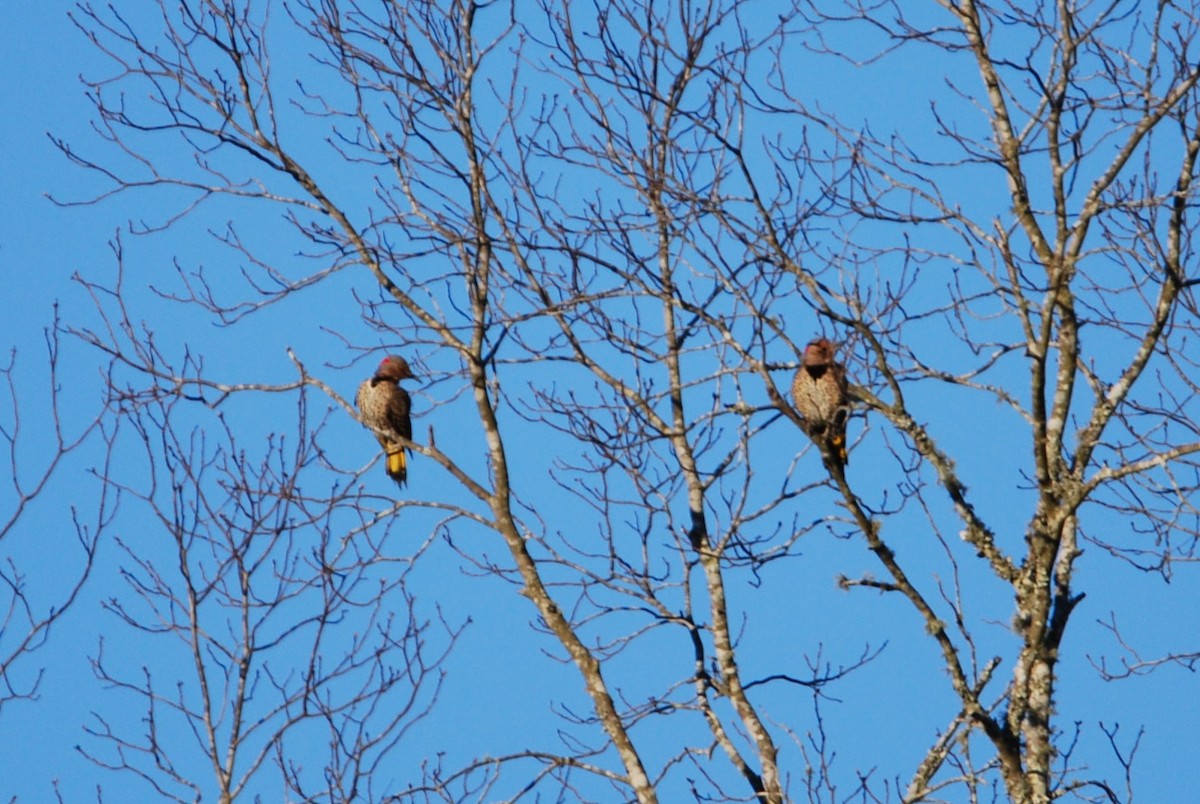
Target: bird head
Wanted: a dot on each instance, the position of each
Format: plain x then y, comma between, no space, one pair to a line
394,368
819,352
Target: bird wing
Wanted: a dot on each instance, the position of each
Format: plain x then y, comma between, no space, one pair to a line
397,411
839,376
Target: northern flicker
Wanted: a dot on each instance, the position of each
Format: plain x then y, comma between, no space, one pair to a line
385,410
819,391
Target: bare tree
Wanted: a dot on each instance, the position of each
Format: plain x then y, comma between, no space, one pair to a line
33,601
601,234
269,592
1092,241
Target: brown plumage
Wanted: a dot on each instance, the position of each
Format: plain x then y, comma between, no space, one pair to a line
819,391
385,410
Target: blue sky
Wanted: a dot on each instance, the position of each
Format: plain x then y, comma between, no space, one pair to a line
500,691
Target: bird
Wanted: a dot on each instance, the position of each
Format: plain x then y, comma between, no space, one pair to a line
820,393
385,408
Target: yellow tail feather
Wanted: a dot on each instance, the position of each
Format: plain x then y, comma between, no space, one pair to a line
397,466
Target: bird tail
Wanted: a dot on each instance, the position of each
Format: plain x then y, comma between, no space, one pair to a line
837,445
397,466
837,441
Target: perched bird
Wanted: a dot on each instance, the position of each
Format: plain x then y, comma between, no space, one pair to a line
819,391
385,410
